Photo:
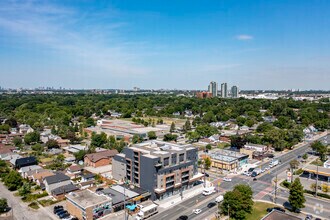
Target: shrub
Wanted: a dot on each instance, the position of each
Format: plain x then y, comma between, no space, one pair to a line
298,172
286,184
323,195
34,205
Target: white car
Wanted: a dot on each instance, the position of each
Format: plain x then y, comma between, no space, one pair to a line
197,211
227,179
266,168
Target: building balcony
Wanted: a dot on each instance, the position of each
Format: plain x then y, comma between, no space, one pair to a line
169,180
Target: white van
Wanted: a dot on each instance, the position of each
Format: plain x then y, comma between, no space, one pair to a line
208,191
219,199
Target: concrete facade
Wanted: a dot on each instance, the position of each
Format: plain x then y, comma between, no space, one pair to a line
162,168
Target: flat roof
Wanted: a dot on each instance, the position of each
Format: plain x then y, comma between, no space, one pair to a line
278,215
321,170
87,198
128,193
225,155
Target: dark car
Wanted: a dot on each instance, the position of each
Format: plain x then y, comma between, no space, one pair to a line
206,174
64,215
183,217
61,212
309,217
74,218
99,189
288,206
211,204
254,179
276,208
58,210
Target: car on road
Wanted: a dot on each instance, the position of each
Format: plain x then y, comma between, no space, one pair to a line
288,206
267,168
309,217
197,211
227,179
182,217
254,179
276,208
211,204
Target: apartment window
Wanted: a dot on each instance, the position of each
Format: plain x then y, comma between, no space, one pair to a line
166,161
181,158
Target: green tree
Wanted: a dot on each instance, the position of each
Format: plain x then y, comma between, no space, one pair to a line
152,135
17,141
208,146
207,163
265,126
4,129
52,144
3,205
294,164
193,136
38,148
170,137
237,141
99,140
172,128
32,137
238,203
305,156
13,180
136,139
320,149
187,126
296,197
11,122
90,122
80,155
24,189
205,130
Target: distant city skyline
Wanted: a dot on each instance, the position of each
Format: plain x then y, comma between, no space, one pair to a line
257,45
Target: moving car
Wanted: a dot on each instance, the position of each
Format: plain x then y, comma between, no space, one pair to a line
309,217
227,179
206,174
182,217
208,191
211,204
219,199
197,211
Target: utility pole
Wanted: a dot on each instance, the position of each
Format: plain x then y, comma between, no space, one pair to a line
317,177
275,189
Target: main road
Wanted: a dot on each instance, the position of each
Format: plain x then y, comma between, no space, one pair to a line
262,190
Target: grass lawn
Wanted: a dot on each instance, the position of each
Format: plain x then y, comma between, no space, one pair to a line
317,162
259,210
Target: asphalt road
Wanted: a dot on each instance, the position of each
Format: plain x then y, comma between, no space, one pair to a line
262,189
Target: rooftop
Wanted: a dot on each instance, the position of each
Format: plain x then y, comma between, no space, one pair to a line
225,155
58,177
87,198
278,215
160,147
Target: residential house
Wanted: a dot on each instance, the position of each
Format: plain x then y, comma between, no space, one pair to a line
25,129
38,177
24,170
100,159
25,161
60,192
88,177
74,171
55,181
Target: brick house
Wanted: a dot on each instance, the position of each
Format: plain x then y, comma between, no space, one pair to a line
100,159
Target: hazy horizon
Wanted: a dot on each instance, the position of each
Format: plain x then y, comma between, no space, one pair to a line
256,45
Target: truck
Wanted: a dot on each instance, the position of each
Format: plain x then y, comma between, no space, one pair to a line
208,191
273,163
219,199
147,211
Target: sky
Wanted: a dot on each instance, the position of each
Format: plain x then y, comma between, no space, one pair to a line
182,44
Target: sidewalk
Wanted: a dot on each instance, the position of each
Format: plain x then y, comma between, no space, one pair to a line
173,200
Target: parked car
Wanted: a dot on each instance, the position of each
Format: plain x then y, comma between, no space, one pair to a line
61,212
64,215
99,189
183,217
56,210
288,206
254,179
227,179
276,208
211,204
74,218
206,174
197,211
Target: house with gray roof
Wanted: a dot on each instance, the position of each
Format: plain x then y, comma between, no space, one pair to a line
55,181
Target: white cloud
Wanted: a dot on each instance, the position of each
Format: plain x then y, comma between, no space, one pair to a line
244,37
